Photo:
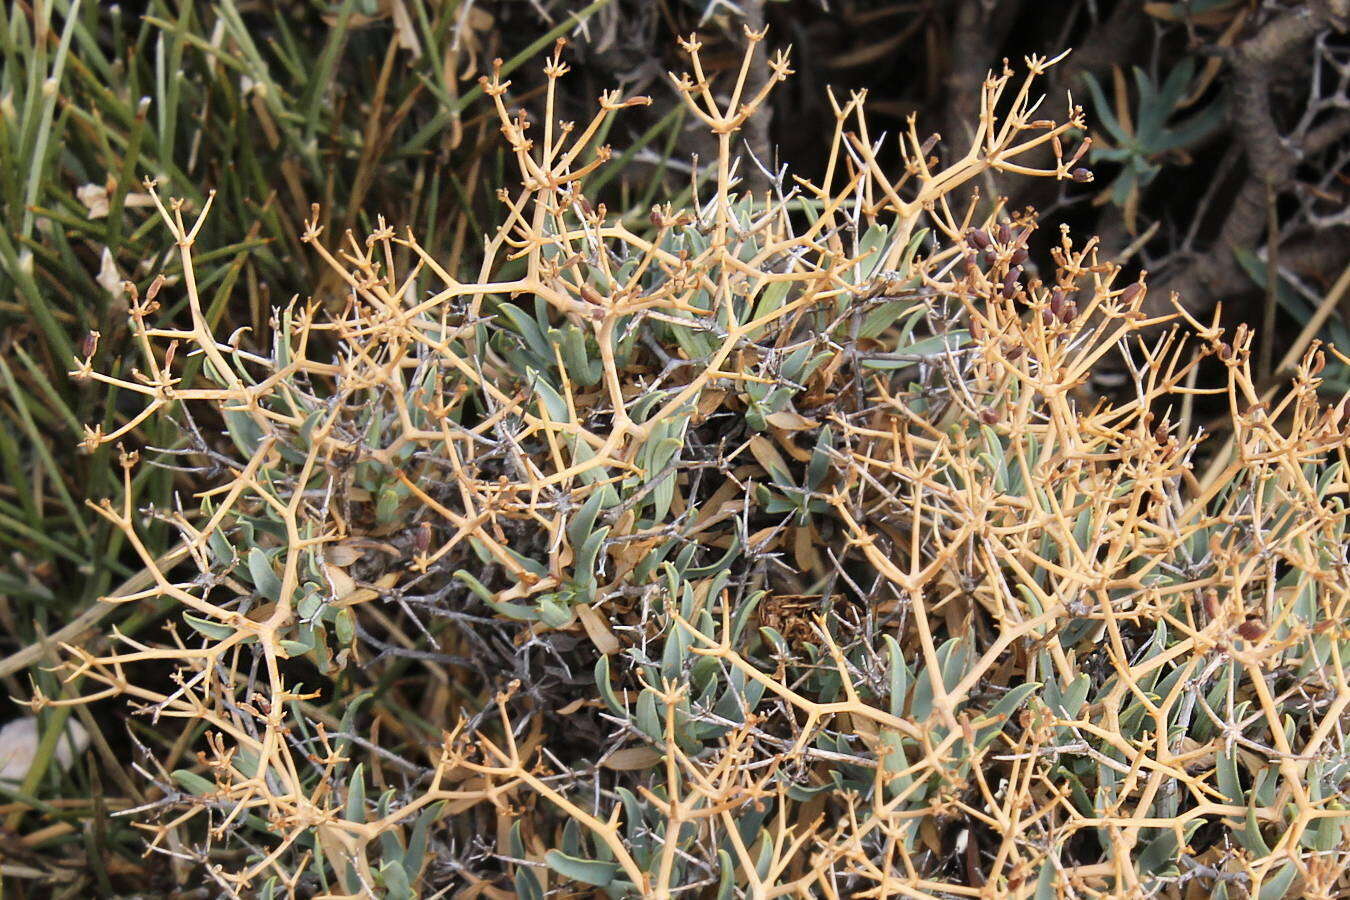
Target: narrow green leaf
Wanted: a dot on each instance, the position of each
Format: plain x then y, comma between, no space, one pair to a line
586,871
194,783
356,794
265,580
216,631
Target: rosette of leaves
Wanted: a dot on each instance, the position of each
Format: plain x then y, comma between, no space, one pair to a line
1142,139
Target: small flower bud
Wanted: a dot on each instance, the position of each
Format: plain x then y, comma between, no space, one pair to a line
1057,301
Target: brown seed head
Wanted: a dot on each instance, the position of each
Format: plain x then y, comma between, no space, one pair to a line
1253,629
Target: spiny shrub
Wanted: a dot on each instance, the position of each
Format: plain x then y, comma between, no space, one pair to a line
767,548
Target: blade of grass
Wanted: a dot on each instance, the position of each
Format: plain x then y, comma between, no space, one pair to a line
419,141
73,631
45,454
671,120
35,301
44,385
313,97
50,89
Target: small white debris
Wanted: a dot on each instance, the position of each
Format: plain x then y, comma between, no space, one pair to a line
95,199
19,743
108,277
99,203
